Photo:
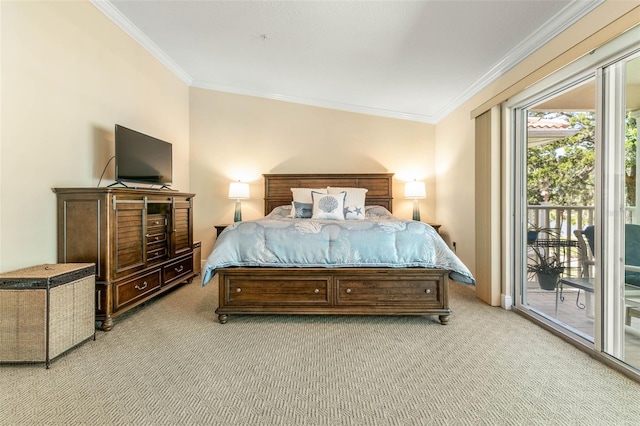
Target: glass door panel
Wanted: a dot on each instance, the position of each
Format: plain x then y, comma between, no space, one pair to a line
620,240
560,200
575,199
632,217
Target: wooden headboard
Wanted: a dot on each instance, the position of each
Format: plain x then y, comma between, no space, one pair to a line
277,187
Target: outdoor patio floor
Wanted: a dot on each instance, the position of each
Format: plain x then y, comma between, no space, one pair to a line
576,319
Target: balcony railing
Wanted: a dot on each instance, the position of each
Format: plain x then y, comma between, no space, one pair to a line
562,219
557,224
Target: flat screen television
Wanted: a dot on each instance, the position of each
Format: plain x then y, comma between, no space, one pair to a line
141,158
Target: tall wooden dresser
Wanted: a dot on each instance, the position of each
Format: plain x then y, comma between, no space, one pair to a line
141,241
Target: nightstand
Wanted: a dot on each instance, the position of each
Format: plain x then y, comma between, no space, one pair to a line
435,226
197,257
220,228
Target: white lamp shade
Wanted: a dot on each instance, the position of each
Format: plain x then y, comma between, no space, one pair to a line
239,191
415,189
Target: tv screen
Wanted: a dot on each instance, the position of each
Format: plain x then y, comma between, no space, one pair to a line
142,158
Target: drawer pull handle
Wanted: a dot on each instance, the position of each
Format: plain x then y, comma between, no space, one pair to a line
348,291
142,287
180,269
157,238
238,290
156,223
316,291
428,291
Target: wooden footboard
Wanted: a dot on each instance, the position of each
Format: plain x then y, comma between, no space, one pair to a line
345,291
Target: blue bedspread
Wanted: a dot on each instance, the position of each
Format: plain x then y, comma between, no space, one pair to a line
380,240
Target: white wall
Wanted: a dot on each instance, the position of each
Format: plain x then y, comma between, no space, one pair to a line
68,75
455,174
236,137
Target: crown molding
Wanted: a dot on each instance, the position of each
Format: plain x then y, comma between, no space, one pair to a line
128,27
316,102
573,12
562,20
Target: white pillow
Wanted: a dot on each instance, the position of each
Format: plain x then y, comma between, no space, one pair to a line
355,196
303,195
354,212
328,206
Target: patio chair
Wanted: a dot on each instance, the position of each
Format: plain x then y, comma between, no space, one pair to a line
586,238
585,251
587,262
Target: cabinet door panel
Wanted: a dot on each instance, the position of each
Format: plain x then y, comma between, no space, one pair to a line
181,227
130,241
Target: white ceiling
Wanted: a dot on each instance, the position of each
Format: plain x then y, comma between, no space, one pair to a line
414,60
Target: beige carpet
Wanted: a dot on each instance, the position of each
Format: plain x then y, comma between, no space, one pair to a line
170,362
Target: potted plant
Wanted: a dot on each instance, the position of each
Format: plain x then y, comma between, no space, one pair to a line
546,266
532,232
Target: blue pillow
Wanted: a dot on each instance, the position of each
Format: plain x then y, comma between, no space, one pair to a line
302,210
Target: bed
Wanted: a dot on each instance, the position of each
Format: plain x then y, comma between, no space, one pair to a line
352,274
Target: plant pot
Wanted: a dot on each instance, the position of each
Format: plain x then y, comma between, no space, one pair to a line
532,236
547,281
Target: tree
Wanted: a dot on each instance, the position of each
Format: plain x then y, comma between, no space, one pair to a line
631,136
563,172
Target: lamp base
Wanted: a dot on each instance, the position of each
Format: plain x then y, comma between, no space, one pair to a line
237,216
416,210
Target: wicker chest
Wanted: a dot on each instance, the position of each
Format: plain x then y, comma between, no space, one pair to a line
46,310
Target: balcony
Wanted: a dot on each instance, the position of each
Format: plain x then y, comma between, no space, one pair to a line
557,239
561,242
574,307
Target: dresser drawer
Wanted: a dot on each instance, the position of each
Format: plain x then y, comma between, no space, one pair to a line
357,290
156,253
156,229
175,270
136,289
247,290
155,221
156,238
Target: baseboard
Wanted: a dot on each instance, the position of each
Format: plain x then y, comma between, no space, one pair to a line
506,301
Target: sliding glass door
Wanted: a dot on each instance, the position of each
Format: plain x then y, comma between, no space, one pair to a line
618,243
575,201
558,131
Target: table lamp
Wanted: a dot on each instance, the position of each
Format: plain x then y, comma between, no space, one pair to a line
238,191
415,190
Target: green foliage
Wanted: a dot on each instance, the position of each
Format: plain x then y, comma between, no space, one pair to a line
563,172
631,135
544,263
544,260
